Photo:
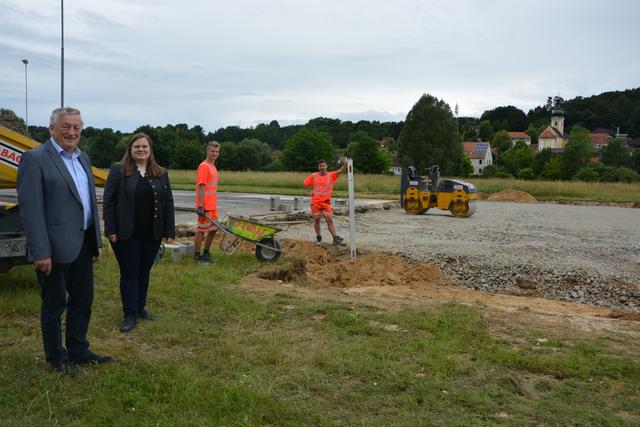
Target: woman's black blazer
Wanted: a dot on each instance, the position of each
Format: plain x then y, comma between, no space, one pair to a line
118,204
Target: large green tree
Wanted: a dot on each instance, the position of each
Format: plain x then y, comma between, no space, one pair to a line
262,152
486,130
304,149
506,118
533,132
101,147
577,152
228,158
430,137
188,155
367,155
519,157
616,153
540,160
501,141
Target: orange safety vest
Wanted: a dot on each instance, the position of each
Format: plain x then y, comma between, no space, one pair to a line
210,188
322,186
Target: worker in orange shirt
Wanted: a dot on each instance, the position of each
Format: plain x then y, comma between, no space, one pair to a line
206,204
319,186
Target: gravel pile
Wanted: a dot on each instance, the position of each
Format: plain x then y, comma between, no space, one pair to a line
584,254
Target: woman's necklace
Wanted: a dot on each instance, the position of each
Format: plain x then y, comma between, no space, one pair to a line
142,170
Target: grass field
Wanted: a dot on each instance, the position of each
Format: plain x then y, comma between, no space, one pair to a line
388,187
219,355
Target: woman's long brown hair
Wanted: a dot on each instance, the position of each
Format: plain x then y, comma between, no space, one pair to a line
129,165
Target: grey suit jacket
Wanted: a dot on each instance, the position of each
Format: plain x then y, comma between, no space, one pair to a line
50,205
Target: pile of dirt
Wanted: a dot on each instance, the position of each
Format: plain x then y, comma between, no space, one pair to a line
510,195
330,266
636,205
289,270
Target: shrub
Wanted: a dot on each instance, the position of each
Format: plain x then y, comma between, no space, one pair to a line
588,174
606,173
625,174
503,174
490,171
526,173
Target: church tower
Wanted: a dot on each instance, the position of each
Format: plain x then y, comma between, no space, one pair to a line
557,119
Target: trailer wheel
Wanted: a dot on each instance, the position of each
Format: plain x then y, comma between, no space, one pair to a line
268,254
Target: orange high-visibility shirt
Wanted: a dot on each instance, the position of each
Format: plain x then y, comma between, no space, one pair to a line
322,186
207,174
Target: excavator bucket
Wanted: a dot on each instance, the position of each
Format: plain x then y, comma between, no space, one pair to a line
12,146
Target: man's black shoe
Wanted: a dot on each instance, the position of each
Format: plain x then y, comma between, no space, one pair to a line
92,358
67,367
338,241
128,324
206,258
144,314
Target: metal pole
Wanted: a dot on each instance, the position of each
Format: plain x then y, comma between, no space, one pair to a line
62,54
352,209
26,97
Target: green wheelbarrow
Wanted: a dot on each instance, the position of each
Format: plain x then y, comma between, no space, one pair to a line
237,230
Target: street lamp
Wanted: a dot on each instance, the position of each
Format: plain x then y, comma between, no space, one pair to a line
26,98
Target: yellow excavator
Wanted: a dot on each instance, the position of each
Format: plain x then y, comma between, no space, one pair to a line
418,194
13,241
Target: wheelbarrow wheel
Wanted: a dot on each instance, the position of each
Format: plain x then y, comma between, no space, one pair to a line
268,254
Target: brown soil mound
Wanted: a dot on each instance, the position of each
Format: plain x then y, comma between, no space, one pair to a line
636,205
330,266
510,195
288,271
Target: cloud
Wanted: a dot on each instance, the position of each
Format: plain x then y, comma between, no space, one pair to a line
241,63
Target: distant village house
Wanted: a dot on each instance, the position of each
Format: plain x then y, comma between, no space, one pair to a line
480,155
519,136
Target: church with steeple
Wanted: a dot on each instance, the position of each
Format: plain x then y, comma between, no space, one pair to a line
553,136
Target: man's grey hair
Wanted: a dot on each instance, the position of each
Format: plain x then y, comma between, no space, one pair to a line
66,111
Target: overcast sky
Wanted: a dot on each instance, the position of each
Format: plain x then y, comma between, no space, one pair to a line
244,62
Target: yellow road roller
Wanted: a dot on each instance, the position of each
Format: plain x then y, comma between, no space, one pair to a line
418,194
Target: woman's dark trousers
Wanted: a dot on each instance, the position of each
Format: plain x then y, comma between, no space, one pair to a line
135,257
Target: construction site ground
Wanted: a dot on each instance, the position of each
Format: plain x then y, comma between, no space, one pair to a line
562,266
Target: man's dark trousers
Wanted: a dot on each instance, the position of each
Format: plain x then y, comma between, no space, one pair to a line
76,280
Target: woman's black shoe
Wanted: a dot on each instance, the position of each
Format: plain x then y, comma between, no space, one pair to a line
128,324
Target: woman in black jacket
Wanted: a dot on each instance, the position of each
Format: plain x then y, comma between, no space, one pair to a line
138,213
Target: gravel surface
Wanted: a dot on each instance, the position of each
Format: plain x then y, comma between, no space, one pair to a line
585,254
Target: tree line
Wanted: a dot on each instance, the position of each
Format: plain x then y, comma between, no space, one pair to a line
430,134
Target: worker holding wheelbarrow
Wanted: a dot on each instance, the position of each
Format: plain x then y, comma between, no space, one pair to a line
206,203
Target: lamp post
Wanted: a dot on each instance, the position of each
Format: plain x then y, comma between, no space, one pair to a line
26,97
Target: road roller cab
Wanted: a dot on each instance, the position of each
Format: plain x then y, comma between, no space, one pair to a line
419,193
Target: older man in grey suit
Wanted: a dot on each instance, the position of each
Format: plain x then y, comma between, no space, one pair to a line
57,200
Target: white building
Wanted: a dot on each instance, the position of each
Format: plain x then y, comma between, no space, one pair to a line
480,155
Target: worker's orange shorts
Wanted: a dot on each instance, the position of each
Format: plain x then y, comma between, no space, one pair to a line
321,209
204,225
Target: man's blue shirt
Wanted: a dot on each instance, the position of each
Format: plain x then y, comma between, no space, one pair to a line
79,178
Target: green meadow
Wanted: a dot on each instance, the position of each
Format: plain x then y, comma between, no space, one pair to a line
223,355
